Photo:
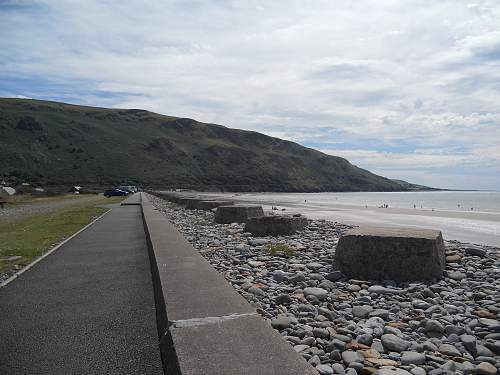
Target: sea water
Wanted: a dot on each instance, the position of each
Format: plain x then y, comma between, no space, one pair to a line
463,201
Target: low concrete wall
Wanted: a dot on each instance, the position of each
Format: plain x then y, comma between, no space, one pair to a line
204,325
132,200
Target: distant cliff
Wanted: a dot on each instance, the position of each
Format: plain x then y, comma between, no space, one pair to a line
55,144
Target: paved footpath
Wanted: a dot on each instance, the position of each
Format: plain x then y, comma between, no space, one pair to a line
87,308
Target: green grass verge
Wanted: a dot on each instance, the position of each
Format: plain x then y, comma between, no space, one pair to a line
280,249
31,236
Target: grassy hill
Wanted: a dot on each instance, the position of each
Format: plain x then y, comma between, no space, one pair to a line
57,144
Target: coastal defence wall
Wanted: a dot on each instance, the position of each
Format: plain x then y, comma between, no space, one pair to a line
204,325
132,200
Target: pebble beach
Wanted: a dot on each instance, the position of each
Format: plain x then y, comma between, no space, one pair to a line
347,326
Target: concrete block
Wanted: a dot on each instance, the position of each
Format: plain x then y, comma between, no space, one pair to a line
237,213
209,205
179,199
168,196
235,345
191,203
275,225
391,253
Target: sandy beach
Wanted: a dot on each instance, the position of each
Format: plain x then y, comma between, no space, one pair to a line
466,226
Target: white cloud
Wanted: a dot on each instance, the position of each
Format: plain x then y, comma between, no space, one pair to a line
370,75
420,159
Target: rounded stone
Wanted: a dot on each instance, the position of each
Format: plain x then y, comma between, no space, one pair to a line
282,322
449,350
469,343
412,358
338,368
348,357
394,343
319,293
365,339
297,278
434,326
391,371
485,368
324,369
283,299
361,311
455,258
353,288
321,333
494,346
279,276
314,266
456,275
256,291
418,371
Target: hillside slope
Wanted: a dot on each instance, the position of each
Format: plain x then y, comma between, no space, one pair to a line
60,144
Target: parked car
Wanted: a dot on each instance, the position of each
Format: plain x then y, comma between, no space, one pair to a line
129,188
115,193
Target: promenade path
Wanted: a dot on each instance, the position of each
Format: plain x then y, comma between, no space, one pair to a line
88,308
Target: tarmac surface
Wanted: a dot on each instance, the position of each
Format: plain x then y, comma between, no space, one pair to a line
88,308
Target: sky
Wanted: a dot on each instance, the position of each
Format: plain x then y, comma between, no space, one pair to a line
406,89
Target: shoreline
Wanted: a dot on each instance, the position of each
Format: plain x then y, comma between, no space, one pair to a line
473,227
465,214
355,327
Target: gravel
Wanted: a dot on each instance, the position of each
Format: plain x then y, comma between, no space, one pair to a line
354,327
